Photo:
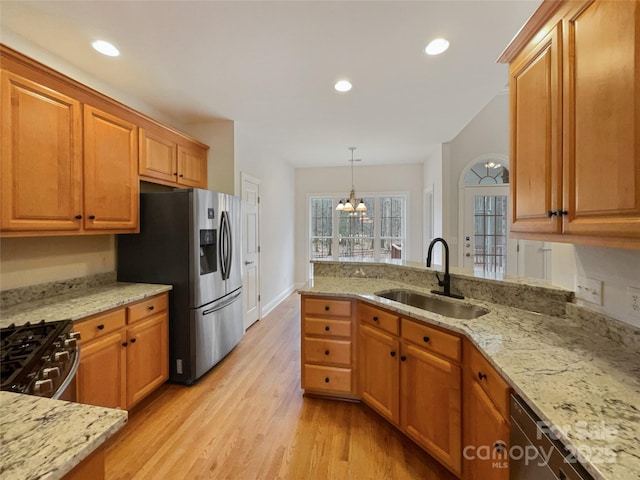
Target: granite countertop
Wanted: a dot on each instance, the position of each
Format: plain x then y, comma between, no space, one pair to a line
72,432
79,303
585,385
45,438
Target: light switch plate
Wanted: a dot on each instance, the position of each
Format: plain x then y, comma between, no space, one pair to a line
589,289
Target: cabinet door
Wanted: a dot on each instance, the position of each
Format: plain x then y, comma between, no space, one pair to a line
379,371
158,157
536,140
486,437
602,120
192,166
41,157
101,378
430,404
110,172
147,357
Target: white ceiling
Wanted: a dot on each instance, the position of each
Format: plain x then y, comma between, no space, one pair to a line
271,66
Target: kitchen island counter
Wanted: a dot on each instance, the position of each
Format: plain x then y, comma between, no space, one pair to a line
586,385
45,439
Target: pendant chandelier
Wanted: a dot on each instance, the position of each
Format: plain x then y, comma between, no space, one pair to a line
351,204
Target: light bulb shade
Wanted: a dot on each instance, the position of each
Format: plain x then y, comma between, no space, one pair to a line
340,206
361,206
348,207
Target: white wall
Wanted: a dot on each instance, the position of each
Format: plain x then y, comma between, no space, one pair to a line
220,136
486,133
433,181
368,179
254,157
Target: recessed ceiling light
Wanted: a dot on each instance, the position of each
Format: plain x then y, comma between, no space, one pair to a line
105,48
343,86
437,46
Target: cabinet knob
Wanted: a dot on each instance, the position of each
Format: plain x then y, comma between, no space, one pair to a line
326,308
181,175
426,339
151,307
481,376
124,344
403,358
92,217
132,340
327,328
375,319
393,354
175,173
326,352
78,217
558,213
101,326
326,380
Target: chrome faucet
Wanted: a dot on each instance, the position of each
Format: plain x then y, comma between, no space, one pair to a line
446,282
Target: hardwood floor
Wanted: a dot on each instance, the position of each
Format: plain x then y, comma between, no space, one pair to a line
247,419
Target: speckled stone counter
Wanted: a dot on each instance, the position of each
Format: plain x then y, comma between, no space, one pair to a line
585,384
79,303
45,439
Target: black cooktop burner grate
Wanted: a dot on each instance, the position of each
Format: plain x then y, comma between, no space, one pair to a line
25,348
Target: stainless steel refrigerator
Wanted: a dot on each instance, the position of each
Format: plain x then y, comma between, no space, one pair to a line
190,238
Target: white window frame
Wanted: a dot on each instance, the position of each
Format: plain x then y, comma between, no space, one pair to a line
335,247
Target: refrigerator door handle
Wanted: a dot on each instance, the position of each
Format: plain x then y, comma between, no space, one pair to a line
224,245
224,304
230,244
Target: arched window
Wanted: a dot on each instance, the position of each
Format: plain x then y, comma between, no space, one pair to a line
489,172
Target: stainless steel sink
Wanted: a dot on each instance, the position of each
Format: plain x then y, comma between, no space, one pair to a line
434,304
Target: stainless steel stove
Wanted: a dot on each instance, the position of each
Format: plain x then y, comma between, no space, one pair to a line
40,359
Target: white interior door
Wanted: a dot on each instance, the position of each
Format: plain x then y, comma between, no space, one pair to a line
486,245
251,248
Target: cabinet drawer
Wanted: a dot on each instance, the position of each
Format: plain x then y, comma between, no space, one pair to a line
325,350
100,325
332,379
432,339
147,308
322,306
490,381
374,316
334,328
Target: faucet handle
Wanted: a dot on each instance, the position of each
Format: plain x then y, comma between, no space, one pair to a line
440,282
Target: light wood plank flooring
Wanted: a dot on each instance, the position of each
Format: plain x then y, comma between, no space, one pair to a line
247,419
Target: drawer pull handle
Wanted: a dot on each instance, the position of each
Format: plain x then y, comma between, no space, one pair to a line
101,326
403,358
326,308
327,328
426,339
481,376
375,319
393,354
326,352
151,307
326,380
133,340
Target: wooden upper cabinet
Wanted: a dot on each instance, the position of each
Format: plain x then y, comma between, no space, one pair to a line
192,166
41,157
575,123
536,141
110,171
602,119
158,157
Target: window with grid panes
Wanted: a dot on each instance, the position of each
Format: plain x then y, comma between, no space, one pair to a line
321,228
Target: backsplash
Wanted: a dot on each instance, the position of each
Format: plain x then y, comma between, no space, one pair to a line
516,293
44,290
620,332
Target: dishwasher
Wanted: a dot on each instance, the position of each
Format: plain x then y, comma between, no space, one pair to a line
534,454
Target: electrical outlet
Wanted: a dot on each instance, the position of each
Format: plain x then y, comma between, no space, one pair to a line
589,289
633,294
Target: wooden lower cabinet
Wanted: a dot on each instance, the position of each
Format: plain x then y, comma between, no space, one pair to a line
124,354
102,372
379,366
431,404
